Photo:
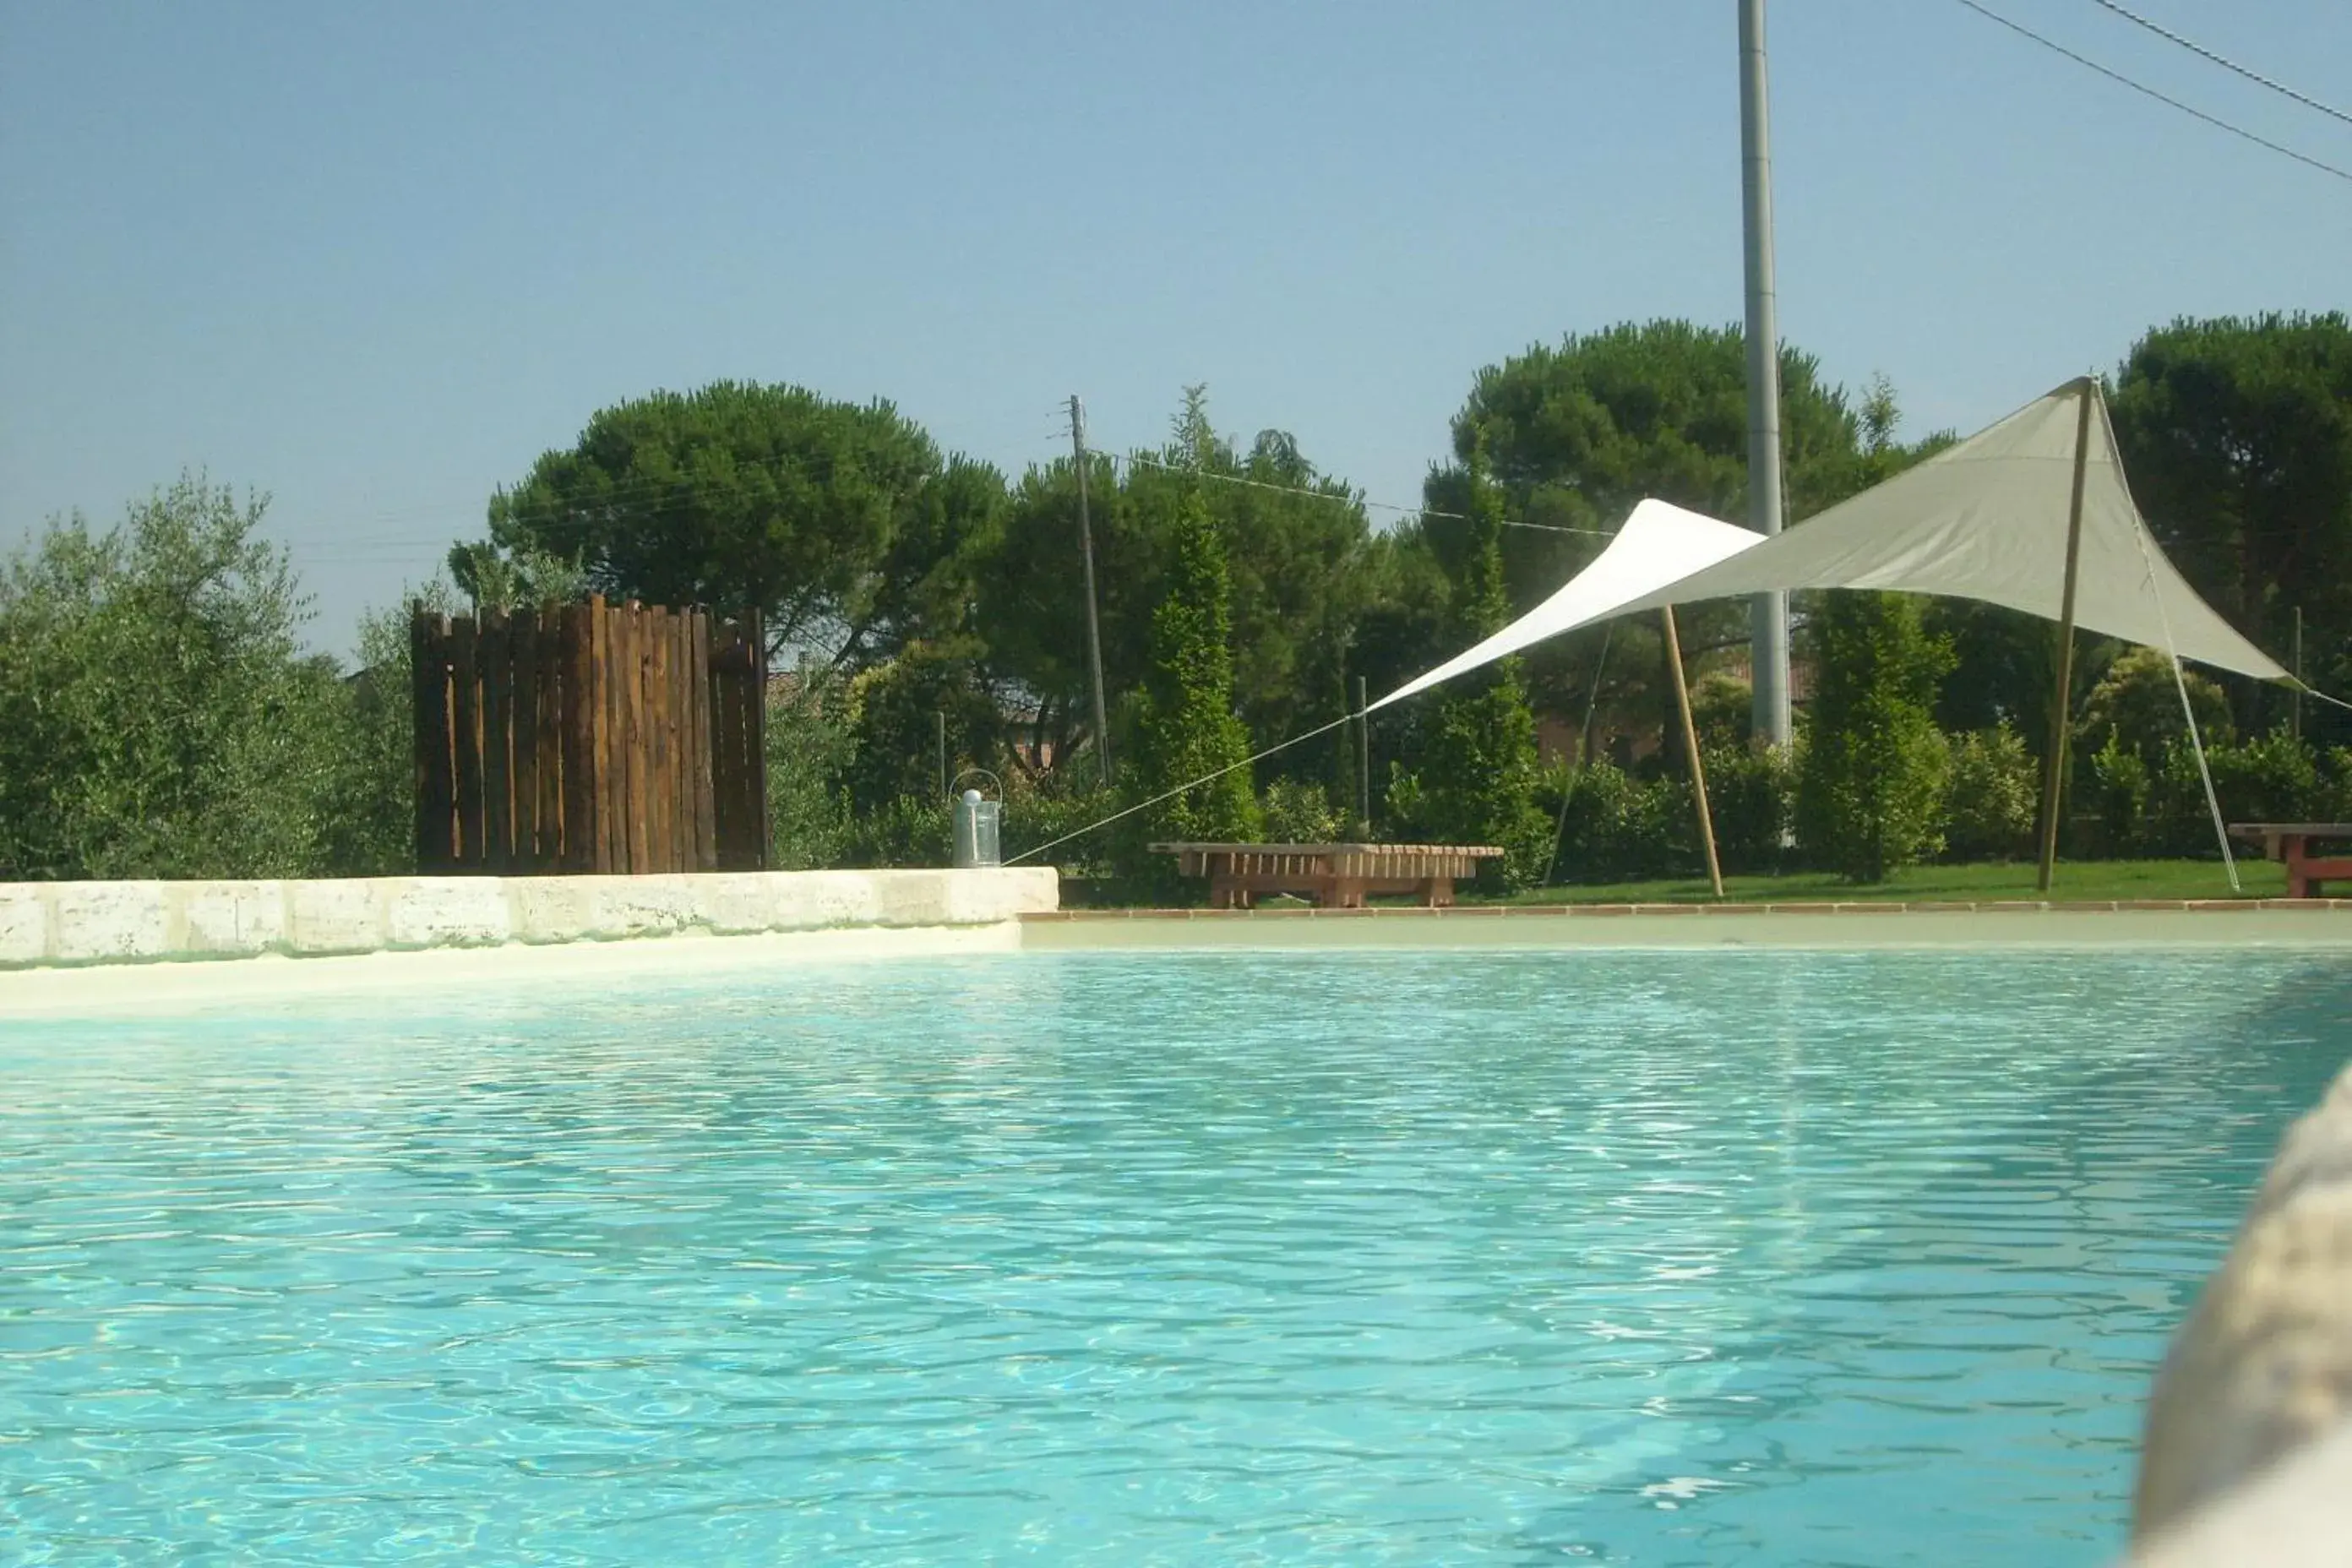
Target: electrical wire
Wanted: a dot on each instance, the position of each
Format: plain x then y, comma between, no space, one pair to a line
1412,511
2083,61
2194,47
1180,789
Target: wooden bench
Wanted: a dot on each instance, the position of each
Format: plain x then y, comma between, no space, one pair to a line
1334,876
2292,842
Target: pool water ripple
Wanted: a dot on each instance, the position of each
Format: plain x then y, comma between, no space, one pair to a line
1124,1258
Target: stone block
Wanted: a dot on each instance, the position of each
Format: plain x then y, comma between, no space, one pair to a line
334,916
998,893
103,920
740,903
233,917
551,909
638,906
445,911
913,896
24,923
812,900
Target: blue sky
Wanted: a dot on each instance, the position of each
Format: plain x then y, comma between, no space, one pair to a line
374,260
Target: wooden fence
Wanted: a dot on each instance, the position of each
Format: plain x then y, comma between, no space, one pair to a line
590,738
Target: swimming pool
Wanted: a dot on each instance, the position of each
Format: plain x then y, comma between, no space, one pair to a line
1230,1257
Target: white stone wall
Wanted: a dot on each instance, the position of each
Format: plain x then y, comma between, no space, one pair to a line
44,923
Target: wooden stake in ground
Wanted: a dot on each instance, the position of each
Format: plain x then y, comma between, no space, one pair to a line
2053,775
1690,749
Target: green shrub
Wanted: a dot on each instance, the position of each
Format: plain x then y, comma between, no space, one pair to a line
1478,777
907,830
2136,706
1065,801
1299,811
2273,778
1751,795
1990,798
2118,799
1615,826
811,736
1869,796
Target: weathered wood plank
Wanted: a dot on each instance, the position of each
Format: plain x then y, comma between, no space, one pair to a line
631,667
498,742
577,720
698,693
547,721
428,655
756,740
661,824
604,703
680,728
723,744
466,708
522,650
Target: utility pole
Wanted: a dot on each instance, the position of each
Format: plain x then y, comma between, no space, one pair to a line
1768,655
1094,624
1363,760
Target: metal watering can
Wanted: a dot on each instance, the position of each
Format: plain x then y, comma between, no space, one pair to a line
978,822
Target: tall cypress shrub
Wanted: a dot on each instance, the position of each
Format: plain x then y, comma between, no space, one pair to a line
1188,727
1870,790
1479,776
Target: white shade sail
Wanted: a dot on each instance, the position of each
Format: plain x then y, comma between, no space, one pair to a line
1660,543
1986,520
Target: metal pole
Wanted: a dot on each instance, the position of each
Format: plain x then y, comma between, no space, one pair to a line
2296,697
2053,775
1363,759
1094,626
1690,748
1768,655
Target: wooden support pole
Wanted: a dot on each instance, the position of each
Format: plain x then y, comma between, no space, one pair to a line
1690,749
2053,774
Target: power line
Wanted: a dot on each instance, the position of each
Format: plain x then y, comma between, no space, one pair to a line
2026,32
1348,499
655,495
2194,47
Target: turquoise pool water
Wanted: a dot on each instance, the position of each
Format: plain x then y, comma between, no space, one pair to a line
1137,1259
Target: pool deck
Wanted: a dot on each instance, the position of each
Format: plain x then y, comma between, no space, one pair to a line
2188,923
148,948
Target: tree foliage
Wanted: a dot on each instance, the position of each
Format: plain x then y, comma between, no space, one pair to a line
1577,433
162,718
1300,566
2237,434
838,520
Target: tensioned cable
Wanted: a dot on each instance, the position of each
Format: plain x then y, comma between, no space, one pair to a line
2194,47
2083,61
2179,675
1180,789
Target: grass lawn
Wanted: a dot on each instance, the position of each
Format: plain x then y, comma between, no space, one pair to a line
2088,880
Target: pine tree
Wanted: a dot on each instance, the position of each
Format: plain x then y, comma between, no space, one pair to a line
1870,790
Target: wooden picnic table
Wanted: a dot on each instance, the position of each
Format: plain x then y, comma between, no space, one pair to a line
1336,876
2292,842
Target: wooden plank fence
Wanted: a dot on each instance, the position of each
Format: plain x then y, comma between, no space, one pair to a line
616,739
